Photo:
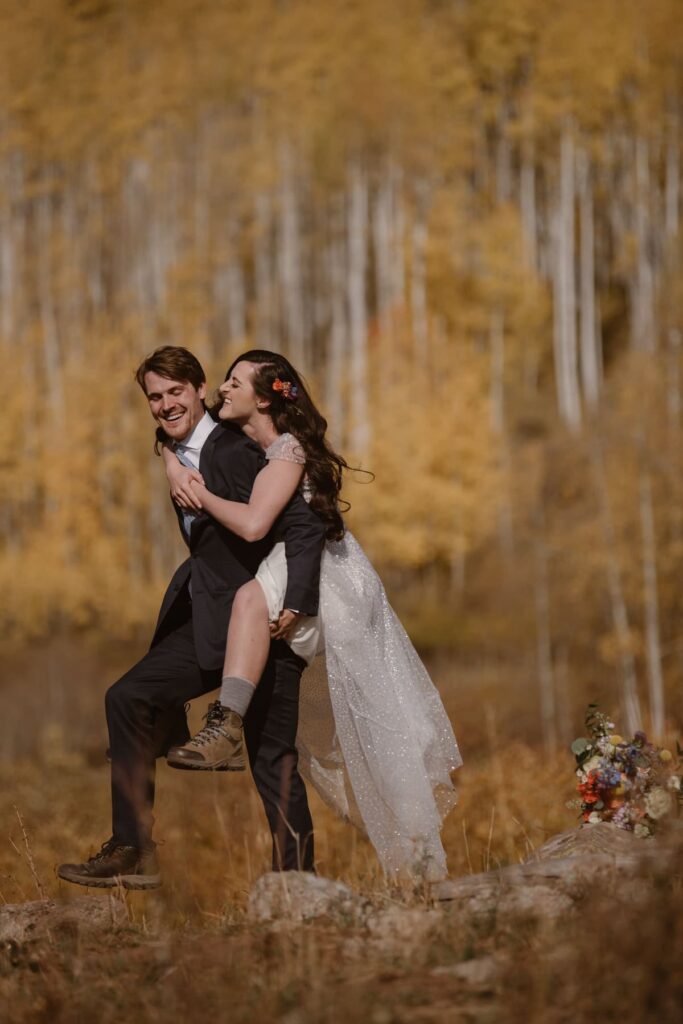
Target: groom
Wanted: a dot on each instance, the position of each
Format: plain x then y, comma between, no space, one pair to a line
145,708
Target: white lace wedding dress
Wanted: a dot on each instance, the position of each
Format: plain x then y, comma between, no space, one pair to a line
374,738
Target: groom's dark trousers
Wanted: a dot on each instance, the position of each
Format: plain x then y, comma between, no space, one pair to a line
145,708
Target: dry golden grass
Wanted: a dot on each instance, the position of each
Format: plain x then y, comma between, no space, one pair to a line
190,949
215,841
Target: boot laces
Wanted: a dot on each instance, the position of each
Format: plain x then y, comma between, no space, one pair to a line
110,845
214,719
105,850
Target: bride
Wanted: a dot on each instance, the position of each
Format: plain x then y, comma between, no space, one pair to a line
374,738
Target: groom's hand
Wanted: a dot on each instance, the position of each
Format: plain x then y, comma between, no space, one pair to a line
285,624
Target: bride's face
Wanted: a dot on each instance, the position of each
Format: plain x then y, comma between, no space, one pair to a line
239,397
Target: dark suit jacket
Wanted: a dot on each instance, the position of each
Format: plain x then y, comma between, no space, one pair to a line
220,562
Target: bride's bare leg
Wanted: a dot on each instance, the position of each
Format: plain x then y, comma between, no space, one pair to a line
219,746
248,643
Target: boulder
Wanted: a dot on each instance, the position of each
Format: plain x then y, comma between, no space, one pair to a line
549,884
482,974
22,922
400,931
555,876
603,839
295,896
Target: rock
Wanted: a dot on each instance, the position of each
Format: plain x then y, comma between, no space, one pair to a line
38,919
554,878
295,896
603,839
401,930
505,893
482,973
549,884
283,898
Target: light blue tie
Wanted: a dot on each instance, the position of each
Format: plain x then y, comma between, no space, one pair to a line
189,515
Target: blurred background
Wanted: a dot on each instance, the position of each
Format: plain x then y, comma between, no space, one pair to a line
461,221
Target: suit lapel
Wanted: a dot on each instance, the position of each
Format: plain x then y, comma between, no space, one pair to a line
204,466
205,461
208,447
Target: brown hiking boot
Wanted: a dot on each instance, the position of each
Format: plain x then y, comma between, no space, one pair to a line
218,747
115,865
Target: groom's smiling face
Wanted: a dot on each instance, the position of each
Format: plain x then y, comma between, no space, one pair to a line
176,405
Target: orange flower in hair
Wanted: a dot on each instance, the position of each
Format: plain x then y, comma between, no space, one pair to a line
286,387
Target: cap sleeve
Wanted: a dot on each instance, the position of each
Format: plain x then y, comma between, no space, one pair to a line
286,448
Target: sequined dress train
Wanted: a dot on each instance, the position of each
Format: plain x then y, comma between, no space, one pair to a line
374,738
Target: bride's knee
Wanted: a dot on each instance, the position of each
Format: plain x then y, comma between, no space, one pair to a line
250,600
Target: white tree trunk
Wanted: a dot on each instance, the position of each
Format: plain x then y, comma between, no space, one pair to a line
418,285
673,407
672,181
263,273
233,287
642,313
336,363
591,354
563,695
164,226
96,238
629,681
652,636
52,355
8,274
673,378
398,233
503,157
382,237
357,217
11,216
290,262
497,341
527,199
544,657
200,163
564,291
74,292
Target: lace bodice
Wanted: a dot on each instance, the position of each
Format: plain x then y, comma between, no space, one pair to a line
286,448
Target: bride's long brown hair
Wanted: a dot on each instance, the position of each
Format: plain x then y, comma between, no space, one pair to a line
293,412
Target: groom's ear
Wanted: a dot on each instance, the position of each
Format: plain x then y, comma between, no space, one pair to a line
201,391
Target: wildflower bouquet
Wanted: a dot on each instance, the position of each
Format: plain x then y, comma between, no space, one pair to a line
631,783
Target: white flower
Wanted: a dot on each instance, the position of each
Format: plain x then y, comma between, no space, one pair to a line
641,831
592,765
657,803
594,817
674,783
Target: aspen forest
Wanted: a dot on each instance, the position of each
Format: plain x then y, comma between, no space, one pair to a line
463,229
461,220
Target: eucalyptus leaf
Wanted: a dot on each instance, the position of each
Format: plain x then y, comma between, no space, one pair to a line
580,745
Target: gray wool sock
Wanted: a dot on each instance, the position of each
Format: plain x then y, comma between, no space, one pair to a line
236,694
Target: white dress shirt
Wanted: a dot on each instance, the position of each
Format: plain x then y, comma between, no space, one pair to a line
191,446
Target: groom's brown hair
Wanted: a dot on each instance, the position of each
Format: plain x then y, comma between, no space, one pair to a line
174,363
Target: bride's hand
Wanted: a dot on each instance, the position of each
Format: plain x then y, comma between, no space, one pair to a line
287,621
183,493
